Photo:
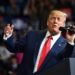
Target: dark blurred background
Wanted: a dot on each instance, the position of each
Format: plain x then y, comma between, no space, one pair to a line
26,15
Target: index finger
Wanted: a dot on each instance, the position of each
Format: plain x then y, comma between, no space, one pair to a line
12,26
8,24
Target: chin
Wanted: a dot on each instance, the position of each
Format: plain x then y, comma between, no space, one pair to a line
55,31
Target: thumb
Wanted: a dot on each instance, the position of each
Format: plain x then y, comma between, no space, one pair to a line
12,26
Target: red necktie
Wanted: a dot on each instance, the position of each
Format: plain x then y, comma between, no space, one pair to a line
45,50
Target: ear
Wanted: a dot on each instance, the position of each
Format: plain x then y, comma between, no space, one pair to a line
47,22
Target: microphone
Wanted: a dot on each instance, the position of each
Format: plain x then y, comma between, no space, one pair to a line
69,27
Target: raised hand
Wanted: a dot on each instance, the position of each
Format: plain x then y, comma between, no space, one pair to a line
8,29
70,37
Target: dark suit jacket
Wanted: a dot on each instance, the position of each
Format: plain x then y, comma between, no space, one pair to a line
30,45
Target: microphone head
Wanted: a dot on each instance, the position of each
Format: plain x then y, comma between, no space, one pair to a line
69,27
63,29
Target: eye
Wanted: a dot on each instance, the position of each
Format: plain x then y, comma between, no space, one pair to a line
59,19
52,18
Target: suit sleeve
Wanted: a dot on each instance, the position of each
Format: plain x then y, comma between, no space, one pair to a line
66,53
16,46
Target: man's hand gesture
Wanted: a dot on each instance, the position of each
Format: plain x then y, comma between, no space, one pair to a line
8,30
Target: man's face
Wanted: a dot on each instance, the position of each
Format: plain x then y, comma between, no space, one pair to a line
55,21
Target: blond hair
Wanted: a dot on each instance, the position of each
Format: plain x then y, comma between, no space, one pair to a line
58,12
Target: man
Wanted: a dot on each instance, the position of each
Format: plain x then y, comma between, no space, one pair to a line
32,45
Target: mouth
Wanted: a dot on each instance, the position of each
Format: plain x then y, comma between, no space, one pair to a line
55,24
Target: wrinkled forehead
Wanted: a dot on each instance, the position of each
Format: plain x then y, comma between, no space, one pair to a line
58,13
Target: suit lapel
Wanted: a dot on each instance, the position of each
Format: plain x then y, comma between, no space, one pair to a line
40,37
57,48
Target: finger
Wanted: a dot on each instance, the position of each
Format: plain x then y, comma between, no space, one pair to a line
8,24
12,26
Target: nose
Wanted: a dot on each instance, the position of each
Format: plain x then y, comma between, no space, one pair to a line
55,20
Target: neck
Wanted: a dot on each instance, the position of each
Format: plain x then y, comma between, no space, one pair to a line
54,33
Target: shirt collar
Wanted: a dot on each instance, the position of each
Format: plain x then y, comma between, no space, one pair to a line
54,37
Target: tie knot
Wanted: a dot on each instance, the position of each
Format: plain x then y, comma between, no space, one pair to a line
50,37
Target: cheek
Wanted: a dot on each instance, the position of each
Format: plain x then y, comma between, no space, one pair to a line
50,21
61,24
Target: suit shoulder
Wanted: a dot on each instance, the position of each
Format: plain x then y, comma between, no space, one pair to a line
36,32
62,39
